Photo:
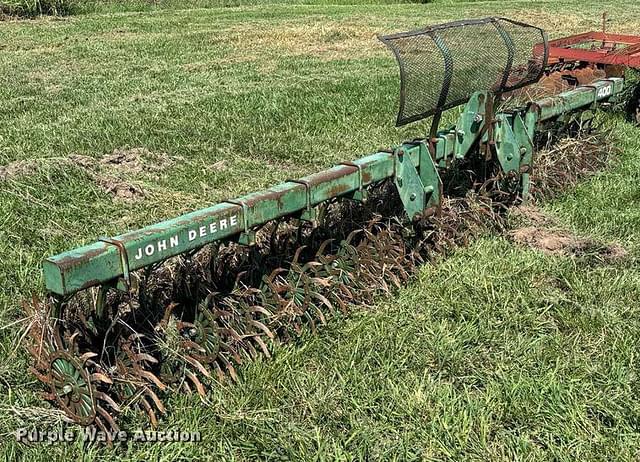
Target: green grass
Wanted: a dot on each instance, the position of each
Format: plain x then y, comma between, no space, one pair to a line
33,8
495,353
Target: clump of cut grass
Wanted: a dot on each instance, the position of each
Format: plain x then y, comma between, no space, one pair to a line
564,163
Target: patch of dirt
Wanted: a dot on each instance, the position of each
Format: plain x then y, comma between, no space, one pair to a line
532,215
120,189
542,234
114,172
85,162
537,230
135,161
554,242
17,169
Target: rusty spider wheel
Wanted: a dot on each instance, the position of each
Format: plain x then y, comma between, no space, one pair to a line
70,386
75,382
204,334
135,383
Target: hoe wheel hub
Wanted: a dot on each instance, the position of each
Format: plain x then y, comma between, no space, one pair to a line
206,333
71,386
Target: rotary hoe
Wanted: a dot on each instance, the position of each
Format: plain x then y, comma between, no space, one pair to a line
180,304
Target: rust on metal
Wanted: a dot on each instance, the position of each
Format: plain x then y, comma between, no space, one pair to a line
71,261
597,48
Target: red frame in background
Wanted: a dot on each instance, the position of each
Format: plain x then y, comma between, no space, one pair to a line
559,49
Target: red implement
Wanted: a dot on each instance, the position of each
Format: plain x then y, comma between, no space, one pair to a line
597,48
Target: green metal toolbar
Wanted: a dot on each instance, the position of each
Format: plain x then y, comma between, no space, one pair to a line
412,166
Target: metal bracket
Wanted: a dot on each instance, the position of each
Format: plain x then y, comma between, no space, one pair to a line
122,284
526,154
508,147
311,213
409,184
420,189
248,236
514,147
361,195
124,260
471,123
430,178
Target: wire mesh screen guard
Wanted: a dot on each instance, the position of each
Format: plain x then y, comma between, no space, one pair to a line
442,66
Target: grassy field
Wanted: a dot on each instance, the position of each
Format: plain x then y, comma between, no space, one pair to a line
497,353
33,8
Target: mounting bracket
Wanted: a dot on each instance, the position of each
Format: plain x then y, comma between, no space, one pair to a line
419,190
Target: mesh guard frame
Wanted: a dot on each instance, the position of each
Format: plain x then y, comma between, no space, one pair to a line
506,73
